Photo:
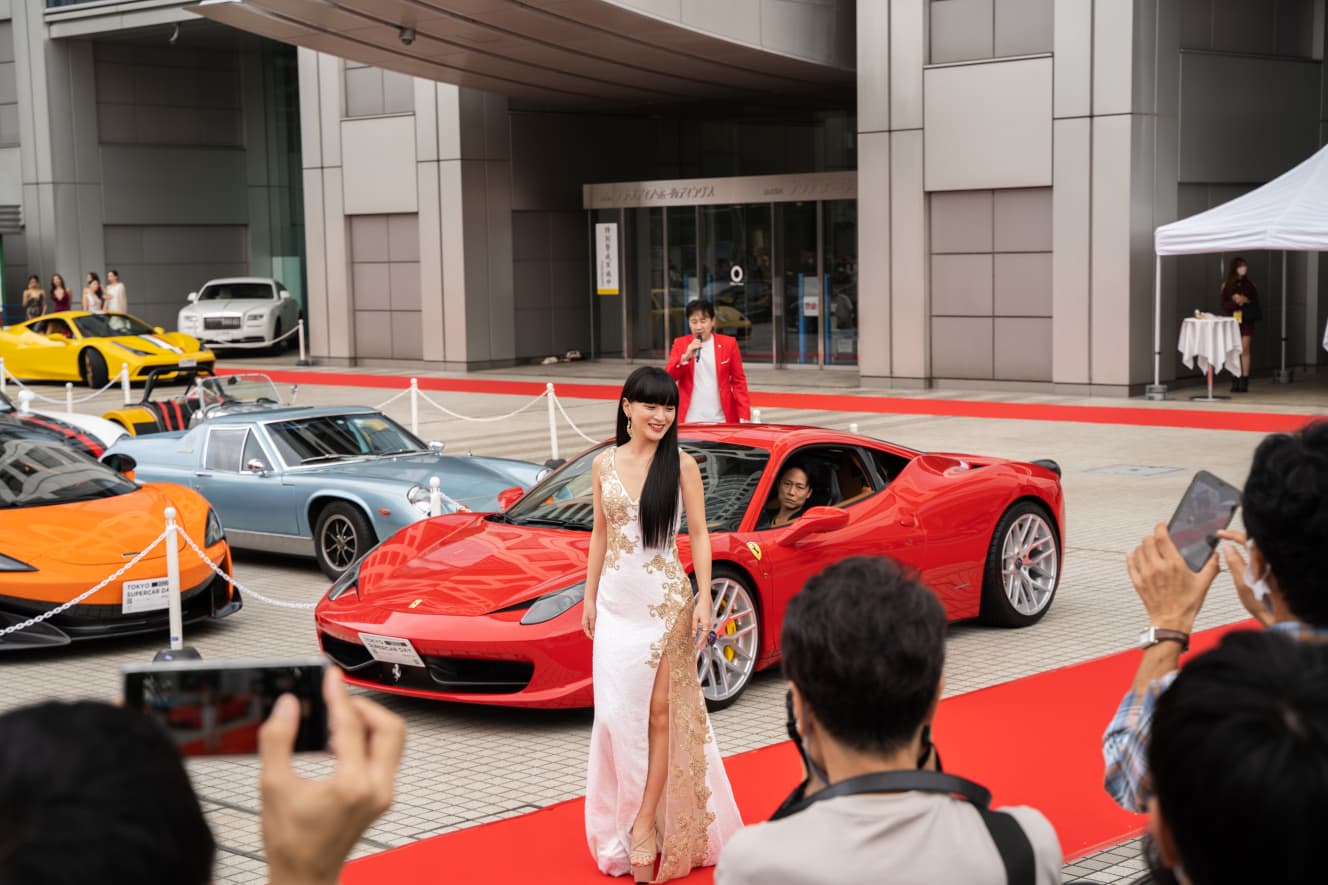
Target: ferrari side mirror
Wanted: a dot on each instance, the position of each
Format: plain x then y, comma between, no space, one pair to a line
815,521
159,330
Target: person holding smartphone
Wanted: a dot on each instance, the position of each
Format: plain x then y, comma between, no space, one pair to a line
712,386
1285,509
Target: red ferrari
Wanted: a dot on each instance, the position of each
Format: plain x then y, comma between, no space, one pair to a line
486,608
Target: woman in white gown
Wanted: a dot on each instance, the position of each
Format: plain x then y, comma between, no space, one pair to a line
656,787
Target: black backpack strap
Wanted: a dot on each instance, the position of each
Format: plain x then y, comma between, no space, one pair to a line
1013,846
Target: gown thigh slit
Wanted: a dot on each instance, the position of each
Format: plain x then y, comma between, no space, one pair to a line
643,623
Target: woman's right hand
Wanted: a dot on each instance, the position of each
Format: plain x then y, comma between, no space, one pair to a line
588,618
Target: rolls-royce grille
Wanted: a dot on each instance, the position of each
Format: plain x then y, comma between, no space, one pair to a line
221,322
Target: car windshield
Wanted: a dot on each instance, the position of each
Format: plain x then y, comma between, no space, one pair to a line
729,474
35,473
243,388
336,437
108,325
238,292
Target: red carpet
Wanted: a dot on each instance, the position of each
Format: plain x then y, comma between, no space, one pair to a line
1139,416
1034,741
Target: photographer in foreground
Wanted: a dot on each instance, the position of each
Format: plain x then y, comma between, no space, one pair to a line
864,651
1240,761
1285,507
91,792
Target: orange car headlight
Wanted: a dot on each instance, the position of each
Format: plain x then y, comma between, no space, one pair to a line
215,534
9,564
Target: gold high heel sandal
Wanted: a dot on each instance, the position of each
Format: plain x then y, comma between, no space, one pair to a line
642,858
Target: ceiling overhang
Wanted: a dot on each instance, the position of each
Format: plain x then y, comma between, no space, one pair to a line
558,52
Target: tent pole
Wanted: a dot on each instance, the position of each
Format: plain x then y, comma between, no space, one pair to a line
1157,390
1282,376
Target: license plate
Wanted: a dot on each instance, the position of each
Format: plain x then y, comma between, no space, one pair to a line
188,364
151,595
391,650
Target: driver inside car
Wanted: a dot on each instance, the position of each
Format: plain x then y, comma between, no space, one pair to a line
792,492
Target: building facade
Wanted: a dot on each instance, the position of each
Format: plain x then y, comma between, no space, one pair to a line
922,192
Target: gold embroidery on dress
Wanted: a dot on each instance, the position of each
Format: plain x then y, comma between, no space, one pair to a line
618,511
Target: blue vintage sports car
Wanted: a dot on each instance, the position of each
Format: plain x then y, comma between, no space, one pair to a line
332,481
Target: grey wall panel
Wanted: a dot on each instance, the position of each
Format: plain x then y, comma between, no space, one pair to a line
1071,250
530,236
373,334
1073,46
961,30
1003,106
874,254
908,48
1296,27
311,147
368,239
378,156
908,249
1109,319
1023,287
407,335
160,265
1023,27
404,286
814,31
11,177
961,285
738,20
1243,26
429,220
1245,119
398,93
403,237
873,63
364,91
961,347
961,221
370,281
1113,57
1023,350
166,185
1023,219
1196,24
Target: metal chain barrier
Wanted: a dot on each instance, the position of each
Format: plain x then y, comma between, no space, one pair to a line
236,584
37,619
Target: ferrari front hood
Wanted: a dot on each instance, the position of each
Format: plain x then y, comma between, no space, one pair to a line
469,565
103,531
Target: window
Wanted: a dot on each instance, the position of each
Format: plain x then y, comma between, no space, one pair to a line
225,445
831,476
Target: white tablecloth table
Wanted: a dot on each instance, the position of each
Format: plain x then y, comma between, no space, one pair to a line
1213,343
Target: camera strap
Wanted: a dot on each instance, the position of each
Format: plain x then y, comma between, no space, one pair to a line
1011,841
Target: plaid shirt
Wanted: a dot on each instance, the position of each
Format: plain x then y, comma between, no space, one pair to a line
1125,743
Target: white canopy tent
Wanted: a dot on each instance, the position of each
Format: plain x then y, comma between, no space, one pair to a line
1288,214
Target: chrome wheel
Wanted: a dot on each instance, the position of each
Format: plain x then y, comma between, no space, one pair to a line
726,662
1030,563
339,542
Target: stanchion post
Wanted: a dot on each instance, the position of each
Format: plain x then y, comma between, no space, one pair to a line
124,383
553,421
173,581
853,428
25,401
435,496
2,374
303,359
69,396
415,406
756,416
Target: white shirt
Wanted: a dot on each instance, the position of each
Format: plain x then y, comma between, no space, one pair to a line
900,838
705,407
116,301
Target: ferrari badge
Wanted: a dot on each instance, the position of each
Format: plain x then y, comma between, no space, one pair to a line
755,548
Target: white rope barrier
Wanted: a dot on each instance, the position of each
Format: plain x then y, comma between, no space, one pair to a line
559,403
68,400
64,606
250,345
391,399
484,420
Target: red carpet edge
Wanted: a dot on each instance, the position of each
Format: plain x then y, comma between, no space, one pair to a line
1033,741
1138,416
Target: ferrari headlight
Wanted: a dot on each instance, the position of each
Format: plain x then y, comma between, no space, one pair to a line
134,350
349,580
551,605
9,564
214,534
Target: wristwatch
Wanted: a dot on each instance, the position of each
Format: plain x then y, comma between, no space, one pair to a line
1151,636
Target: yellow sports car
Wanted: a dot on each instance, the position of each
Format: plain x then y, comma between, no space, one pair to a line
74,345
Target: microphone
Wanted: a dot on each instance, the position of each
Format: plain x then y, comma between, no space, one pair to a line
697,356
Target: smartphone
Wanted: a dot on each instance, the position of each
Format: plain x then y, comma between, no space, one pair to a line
216,707
1206,509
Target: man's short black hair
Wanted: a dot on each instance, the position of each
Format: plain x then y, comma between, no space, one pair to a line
95,793
1285,506
864,642
701,305
1239,760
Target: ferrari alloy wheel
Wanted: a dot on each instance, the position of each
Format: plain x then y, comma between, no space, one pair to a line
343,535
94,368
726,663
1023,567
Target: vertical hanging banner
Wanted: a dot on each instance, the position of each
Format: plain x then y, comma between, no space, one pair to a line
606,259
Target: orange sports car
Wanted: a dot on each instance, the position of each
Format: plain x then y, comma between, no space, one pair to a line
67,523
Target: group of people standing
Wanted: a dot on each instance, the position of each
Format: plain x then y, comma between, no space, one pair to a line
111,298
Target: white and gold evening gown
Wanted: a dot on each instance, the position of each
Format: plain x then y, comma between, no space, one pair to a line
644,617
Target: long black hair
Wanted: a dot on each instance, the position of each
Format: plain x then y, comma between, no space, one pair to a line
659,496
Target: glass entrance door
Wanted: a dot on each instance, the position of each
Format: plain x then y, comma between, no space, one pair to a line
735,248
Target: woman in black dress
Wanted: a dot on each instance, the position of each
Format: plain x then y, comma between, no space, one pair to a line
1240,297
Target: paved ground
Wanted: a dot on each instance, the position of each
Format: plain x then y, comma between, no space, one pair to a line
466,765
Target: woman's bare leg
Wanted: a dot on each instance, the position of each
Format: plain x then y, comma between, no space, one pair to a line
1245,356
657,766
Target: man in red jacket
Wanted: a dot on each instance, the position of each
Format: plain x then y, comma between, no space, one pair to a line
712,387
